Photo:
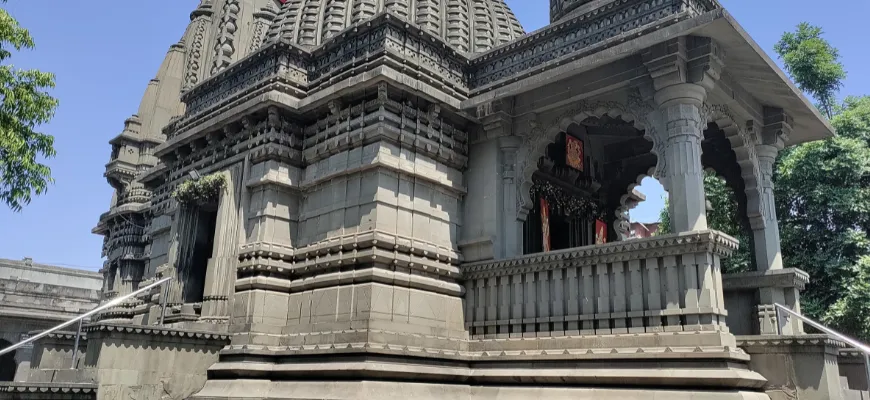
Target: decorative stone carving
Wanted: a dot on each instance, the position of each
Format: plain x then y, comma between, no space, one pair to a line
492,21
225,45
538,138
743,140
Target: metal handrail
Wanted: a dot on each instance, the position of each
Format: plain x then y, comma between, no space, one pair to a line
852,342
82,317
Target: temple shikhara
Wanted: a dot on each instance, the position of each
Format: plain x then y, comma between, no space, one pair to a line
417,199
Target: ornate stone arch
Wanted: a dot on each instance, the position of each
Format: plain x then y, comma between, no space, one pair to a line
539,137
625,202
743,140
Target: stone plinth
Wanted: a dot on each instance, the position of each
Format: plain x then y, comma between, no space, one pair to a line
129,361
53,357
802,367
748,313
853,375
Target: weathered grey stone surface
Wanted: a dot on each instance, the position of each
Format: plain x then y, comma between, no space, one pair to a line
853,376
378,217
804,367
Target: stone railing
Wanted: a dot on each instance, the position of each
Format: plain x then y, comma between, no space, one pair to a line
662,284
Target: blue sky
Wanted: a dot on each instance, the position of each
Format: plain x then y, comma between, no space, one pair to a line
104,52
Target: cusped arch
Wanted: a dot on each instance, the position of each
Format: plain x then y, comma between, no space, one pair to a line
743,143
536,142
621,224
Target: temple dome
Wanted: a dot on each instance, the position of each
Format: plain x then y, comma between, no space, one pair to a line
470,26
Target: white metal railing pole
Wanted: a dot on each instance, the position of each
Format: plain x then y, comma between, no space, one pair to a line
75,355
108,305
778,321
867,369
164,291
852,342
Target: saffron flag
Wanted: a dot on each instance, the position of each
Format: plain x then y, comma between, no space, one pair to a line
600,232
574,153
545,224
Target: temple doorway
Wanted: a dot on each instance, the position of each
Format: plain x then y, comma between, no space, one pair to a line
199,249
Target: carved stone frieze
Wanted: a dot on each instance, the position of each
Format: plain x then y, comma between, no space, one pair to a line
579,34
156,331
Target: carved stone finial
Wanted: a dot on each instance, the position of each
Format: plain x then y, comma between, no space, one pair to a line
434,113
383,95
334,107
274,119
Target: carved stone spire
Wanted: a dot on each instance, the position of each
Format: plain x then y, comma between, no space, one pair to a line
469,26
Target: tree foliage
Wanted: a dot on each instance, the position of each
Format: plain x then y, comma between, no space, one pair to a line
721,217
823,206
813,64
25,104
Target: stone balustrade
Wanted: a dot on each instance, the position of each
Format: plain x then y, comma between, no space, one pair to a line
668,283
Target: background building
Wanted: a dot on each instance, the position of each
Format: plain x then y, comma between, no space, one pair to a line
37,296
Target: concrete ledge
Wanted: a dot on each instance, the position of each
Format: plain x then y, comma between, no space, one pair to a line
803,367
386,390
782,278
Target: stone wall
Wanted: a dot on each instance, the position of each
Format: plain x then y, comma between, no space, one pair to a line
148,363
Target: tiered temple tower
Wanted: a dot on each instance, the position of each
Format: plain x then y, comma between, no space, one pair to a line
414,198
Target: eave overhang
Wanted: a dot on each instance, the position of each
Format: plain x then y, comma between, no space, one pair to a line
762,78
751,70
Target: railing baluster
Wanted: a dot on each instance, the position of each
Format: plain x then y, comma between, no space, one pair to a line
636,295
587,319
517,306
671,285
653,295
620,297
602,312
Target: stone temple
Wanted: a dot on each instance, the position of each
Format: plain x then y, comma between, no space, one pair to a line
394,199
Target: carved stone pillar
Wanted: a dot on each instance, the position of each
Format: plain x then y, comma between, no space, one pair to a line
683,71
512,227
221,269
488,228
684,122
765,228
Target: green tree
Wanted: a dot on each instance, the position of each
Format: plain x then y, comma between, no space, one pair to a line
823,206
721,217
813,64
665,219
25,106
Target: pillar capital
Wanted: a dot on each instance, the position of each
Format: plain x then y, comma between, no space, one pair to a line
777,128
681,94
684,69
